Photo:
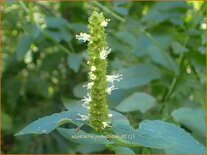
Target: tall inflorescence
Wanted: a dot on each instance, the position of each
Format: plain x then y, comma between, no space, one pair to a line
96,99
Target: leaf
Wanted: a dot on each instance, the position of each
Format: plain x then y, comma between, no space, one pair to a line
74,61
146,44
74,105
53,34
80,91
33,29
47,124
138,75
120,10
78,27
93,148
126,37
160,135
162,58
139,48
56,22
123,150
178,48
23,46
194,119
65,35
137,101
118,117
82,137
161,12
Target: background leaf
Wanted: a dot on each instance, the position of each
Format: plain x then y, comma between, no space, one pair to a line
194,119
136,101
138,75
74,61
23,46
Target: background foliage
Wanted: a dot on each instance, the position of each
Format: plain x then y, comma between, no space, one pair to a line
160,47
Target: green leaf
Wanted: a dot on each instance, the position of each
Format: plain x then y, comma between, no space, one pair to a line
162,58
23,46
93,148
54,34
126,37
194,119
178,48
122,150
65,35
47,124
160,135
74,61
78,27
137,102
139,48
138,75
120,10
74,105
56,22
117,117
80,91
33,30
165,11
82,137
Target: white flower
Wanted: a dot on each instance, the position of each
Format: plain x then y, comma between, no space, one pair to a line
110,115
82,117
83,36
105,124
110,89
93,68
105,22
92,76
87,99
104,52
89,85
112,78
203,26
86,106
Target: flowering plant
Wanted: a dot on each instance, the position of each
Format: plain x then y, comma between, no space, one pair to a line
110,127
96,101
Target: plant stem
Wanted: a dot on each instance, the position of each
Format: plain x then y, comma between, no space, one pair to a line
24,7
181,58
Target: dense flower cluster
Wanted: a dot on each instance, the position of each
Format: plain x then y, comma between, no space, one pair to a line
96,101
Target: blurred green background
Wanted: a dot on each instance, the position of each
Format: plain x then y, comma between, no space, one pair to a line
43,64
